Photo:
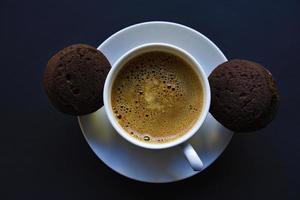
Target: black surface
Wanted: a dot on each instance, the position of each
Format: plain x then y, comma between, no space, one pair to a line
43,154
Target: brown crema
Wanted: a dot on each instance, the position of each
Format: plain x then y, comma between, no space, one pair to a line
157,97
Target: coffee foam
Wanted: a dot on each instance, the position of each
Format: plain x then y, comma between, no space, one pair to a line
157,97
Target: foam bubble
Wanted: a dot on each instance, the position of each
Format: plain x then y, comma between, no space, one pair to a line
146,138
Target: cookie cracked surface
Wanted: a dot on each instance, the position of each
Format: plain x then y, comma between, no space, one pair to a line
74,79
244,95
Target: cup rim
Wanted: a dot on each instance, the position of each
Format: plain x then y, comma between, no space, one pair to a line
137,51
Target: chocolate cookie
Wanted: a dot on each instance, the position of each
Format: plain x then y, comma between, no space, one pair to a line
244,95
74,79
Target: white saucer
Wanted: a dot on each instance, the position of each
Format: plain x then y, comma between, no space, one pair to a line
156,166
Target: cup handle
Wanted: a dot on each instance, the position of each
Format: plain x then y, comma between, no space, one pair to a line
192,156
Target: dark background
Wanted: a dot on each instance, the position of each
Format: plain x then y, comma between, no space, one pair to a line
43,154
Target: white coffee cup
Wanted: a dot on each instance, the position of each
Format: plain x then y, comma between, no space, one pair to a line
188,150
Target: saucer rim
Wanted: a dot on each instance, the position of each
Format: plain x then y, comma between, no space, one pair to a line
162,22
